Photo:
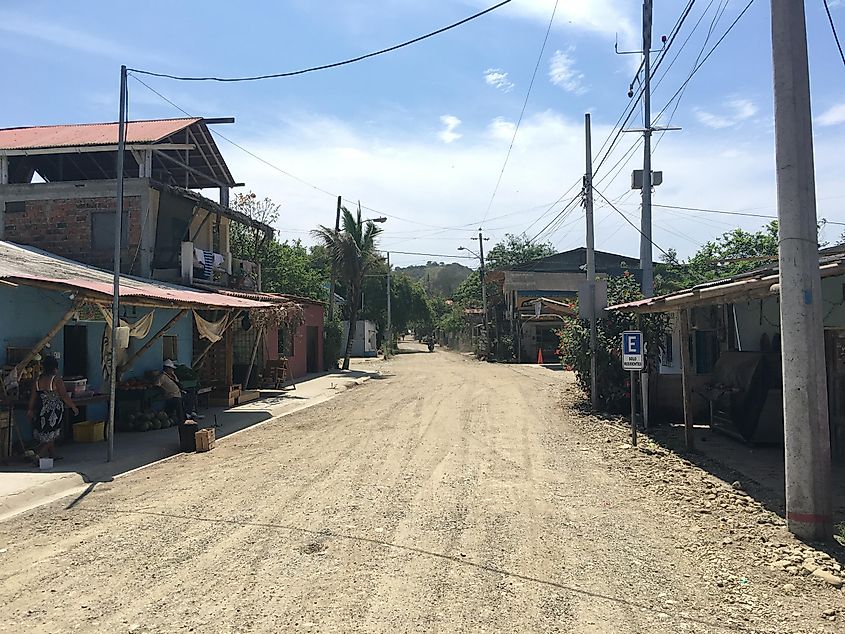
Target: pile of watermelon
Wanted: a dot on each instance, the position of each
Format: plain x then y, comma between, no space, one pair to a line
145,421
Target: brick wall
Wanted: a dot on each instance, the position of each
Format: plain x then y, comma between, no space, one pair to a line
64,227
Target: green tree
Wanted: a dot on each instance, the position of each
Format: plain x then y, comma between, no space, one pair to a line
251,243
289,269
408,301
354,250
515,250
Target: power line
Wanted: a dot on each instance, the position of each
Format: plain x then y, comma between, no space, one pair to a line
833,28
285,172
616,209
706,57
735,213
434,255
334,64
522,112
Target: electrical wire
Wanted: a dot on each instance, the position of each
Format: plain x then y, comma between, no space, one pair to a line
522,112
616,209
734,213
833,29
434,255
334,64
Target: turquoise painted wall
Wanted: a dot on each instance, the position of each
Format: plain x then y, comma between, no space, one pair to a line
27,314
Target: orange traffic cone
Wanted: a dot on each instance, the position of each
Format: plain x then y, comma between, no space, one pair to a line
539,356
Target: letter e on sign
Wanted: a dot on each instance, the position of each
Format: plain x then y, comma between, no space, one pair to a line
632,350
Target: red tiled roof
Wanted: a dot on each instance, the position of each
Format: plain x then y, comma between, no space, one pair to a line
90,134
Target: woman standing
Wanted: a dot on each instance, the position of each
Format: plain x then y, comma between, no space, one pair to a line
50,397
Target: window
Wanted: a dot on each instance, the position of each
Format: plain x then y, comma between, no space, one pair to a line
15,206
668,354
170,347
285,343
102,230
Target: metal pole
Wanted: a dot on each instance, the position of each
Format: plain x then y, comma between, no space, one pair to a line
805,401
591,261
389,322
118,218
484,295
633,408
333,282
645,228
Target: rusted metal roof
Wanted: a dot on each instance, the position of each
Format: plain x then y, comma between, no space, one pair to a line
90,134
34,267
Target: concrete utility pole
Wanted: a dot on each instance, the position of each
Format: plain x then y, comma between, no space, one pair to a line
484,295
118,231
333,281
805,414
591,259
645,221
389,338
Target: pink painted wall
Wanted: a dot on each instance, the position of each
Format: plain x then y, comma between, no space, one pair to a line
299,359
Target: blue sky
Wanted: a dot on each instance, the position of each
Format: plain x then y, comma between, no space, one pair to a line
421,134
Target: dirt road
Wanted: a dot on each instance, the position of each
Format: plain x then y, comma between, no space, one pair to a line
448,495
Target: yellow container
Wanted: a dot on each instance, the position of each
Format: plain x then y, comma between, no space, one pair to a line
89,431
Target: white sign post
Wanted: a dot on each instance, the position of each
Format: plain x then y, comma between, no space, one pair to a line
633,359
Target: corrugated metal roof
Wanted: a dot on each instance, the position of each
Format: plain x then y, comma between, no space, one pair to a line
27,265
90,134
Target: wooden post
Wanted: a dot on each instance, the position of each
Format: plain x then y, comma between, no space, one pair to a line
683,318
150,342
47,338
258,339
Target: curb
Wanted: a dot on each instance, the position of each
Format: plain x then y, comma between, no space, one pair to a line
75,482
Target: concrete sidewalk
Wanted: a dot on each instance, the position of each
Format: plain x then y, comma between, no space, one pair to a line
23,487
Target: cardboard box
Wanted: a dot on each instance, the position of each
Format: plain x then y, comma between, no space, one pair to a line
205,439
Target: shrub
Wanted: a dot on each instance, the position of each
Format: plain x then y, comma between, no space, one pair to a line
612,381
333,340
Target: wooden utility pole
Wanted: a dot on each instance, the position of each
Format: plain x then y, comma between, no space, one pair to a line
484,296
805,414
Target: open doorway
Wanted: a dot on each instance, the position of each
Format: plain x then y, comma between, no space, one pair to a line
75,351
312,359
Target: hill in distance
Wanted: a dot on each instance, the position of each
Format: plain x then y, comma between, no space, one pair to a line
438,278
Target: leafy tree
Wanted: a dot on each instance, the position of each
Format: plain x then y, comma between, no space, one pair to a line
515,250
289,269
612,381
408,301
354,250
250,243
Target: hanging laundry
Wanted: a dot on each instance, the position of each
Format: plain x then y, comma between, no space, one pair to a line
211,330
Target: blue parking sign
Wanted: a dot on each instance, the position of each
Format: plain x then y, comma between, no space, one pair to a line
632,350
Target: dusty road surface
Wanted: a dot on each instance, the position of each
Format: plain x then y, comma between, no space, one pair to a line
446,496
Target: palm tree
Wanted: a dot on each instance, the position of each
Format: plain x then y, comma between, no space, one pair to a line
354,249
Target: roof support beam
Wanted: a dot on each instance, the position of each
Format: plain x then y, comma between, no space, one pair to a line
208,142
192,170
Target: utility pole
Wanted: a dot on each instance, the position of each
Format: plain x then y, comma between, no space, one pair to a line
805,413
389,338
645,220
484,295
118,231
591,259
333,282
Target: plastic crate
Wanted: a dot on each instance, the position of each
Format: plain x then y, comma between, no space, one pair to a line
89,431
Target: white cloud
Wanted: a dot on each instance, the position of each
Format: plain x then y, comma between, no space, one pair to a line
498,78
832,116
605,17
738,110
562,72
448,134
60,36
415,176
